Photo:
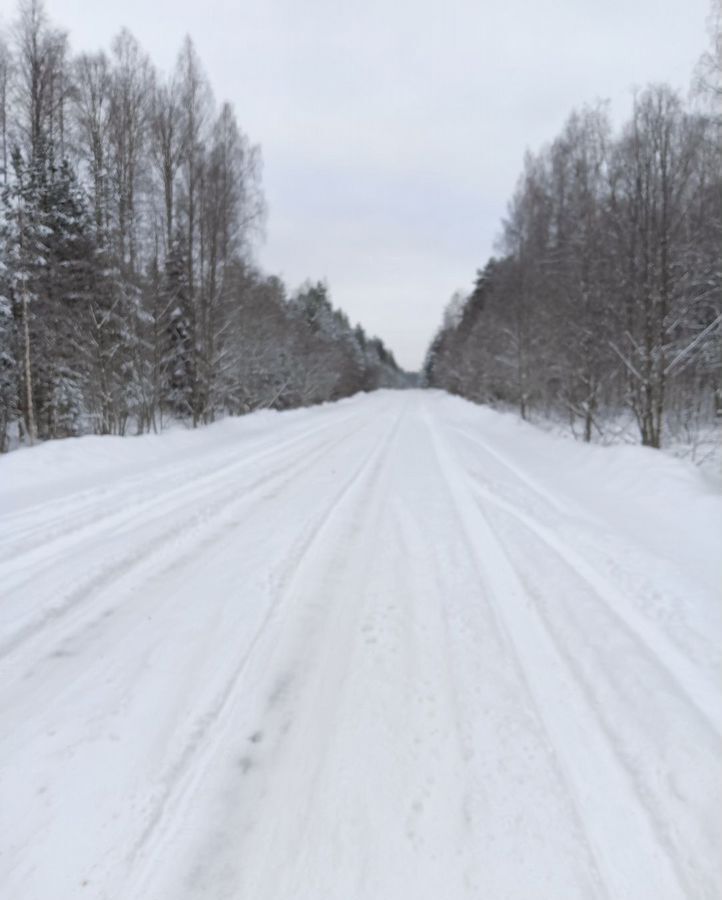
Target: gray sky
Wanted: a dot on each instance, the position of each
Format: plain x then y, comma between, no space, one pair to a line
393,132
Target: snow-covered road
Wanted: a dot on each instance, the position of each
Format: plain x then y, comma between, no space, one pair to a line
396,647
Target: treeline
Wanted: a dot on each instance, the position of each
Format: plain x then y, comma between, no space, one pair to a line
606,295
129,205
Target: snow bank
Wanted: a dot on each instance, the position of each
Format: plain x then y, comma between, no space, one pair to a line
668,505
35,474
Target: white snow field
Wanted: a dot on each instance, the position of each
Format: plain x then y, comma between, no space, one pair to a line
394,647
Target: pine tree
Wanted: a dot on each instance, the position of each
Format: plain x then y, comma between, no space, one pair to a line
178,357
69,282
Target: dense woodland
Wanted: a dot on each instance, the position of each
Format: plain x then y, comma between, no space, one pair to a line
130,204
605,298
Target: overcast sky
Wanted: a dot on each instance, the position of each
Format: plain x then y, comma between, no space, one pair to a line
393,132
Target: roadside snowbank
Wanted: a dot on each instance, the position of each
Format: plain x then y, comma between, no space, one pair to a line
54,468
668,505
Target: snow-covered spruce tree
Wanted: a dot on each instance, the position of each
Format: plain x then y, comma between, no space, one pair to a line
177,360
51,274
67,284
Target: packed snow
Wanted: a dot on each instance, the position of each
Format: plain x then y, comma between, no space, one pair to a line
394,647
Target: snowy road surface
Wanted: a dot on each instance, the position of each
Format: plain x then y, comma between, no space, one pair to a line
396,647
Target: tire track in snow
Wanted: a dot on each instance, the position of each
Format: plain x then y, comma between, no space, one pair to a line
674,668
652,641
617,819
679,780
69,532
189,769
315,661
496,623
531,484
556,514
413,535
127,568
130,676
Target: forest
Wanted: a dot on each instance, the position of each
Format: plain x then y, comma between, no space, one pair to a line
130,206
604,302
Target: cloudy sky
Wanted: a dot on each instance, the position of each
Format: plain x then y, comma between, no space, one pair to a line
393,131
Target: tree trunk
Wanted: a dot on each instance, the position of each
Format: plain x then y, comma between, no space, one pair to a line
29,409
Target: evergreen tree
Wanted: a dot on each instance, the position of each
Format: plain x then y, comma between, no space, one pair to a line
178,359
